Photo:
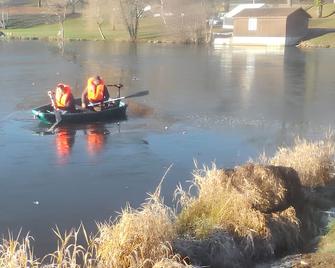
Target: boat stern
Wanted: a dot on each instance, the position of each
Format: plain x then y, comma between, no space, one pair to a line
40,116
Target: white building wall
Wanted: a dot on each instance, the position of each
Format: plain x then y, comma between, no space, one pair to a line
264,41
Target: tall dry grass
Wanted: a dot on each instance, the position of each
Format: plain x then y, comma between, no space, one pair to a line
217,205
139,237
264,187
314,161
70,253
16,252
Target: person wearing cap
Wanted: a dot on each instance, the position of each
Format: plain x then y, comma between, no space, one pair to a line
95,92
63,98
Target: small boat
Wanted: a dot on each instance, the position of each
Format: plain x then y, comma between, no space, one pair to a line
114,111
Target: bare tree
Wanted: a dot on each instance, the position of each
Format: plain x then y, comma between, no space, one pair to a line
191,19
226,5
73,4
319,6
99,18
59,8
162,4
4,17
132,11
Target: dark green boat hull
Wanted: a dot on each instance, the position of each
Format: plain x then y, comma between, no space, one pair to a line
116,112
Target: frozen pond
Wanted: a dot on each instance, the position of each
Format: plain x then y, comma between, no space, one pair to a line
209,104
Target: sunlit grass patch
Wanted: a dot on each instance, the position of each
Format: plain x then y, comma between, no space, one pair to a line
326,40
328,9
83,28
321,23
327,243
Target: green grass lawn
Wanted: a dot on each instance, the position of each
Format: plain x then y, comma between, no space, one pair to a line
326,22
326,40
322,23
80,28
327,11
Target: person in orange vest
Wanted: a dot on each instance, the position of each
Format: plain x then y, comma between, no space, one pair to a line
95,92
63,98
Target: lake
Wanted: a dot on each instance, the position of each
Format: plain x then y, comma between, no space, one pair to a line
206,104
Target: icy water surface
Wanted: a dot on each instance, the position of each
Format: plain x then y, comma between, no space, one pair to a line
205,104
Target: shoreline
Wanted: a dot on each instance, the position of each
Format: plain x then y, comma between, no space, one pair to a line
312,43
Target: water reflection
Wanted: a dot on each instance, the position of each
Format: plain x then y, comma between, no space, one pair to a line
64,141
96,138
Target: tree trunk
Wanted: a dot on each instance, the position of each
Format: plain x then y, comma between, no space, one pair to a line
100,31
209,34
289,3
129,22
61,34
39,3
226,5
319,11
319,6
73,8
136,28
4,19
162,12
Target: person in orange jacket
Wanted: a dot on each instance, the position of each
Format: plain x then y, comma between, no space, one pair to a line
63,98
95,91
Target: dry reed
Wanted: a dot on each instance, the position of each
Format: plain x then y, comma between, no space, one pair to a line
314,161
17,252
227,201
70,253
138,237
262,186
218,205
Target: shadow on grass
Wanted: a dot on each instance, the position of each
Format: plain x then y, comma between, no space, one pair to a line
317,32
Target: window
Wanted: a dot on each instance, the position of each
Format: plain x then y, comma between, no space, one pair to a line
252,24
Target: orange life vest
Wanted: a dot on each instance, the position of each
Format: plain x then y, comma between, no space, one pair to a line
61,97
95,93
